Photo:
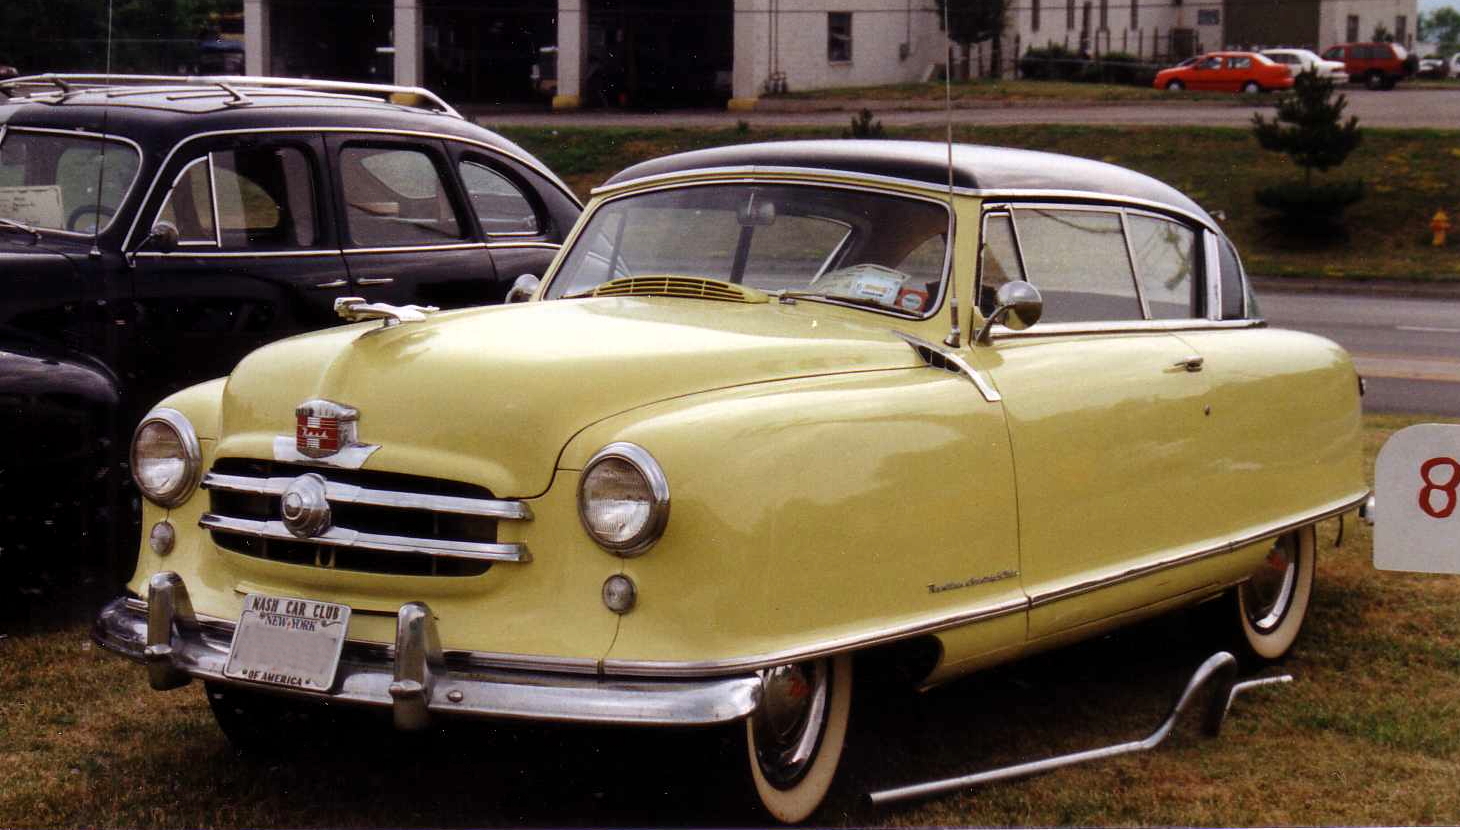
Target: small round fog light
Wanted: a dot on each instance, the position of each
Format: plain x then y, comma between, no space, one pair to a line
620,594
162,538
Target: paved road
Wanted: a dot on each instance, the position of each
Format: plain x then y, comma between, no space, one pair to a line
1408,349
1438,108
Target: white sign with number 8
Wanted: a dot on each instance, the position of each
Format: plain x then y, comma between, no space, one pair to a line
1416,521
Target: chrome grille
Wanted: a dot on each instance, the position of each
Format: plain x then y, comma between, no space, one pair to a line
380,522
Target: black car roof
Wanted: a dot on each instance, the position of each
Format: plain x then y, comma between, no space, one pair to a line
975,167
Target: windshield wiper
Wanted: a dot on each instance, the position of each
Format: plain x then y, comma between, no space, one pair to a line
789,297
16,225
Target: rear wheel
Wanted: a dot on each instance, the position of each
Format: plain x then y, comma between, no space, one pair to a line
1271,605
794,740
1175,86
1374,80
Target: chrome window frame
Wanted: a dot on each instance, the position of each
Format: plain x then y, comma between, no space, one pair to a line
6,129
508,234
1012,208
1198,235
212,198
751,179
530,164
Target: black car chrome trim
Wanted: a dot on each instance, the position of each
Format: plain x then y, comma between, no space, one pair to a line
352,494
549,245
233,254
341,537
415,249
941,201
1248,537
127,194
647,668
927,350
535,166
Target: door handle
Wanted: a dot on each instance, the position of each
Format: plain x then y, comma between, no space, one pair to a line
375,281
1191,363
331,284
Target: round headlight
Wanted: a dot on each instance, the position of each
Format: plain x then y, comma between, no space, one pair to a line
166,459
623,499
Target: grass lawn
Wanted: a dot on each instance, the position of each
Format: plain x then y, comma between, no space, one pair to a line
1410,175
1368,734
1010,90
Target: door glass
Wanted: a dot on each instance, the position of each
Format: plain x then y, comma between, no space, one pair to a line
265,198
999,262
1078,261
189,207
1165,254
499,205
395,197
1239,63
1233,283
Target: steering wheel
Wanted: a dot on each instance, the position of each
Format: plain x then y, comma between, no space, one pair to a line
101,212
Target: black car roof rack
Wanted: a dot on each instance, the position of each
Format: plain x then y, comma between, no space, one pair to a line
57,88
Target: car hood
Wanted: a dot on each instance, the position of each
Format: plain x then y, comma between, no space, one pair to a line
492,395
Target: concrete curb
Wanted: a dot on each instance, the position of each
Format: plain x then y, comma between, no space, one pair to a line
1371,288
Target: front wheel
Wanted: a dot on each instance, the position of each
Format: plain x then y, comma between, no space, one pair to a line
1175,86
794,740
1374,80
1271,605
1251,87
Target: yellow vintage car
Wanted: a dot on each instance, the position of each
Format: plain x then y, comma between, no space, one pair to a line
772,407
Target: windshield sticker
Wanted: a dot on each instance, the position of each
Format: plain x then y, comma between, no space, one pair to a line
38,206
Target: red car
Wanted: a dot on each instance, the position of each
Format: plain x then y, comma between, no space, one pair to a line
1377,65
1226,72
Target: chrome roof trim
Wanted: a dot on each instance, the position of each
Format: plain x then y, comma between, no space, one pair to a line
645,668
120,139
736,173
535,166
1248,537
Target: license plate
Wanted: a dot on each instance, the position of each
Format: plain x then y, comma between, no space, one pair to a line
288,642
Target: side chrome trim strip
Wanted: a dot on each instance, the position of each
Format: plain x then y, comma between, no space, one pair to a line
1002,332
1188,557
548,245
416,249
341,537
810,652
179,254
352,494
927,351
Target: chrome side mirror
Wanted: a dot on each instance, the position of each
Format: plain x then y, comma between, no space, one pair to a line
1017,305
523,288
163,237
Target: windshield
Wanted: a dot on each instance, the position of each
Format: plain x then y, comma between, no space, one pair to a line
50,181
866,248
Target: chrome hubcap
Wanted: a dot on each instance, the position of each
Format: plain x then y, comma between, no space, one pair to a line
1267,595
790,720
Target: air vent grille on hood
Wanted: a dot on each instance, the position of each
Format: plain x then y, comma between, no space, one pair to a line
691,287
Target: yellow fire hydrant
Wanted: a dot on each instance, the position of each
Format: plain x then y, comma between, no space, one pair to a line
1439,224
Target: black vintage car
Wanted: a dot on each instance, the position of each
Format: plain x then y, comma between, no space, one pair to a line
155,230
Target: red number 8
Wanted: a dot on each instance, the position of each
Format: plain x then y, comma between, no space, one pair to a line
1431,486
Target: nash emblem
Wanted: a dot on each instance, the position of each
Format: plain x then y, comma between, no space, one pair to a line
323,428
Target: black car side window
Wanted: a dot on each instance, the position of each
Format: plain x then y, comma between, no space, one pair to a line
500,206
190,206
395,197
265,198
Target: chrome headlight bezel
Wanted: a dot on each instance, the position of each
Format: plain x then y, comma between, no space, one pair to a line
657,484
192,457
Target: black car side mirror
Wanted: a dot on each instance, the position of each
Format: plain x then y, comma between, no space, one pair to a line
163,237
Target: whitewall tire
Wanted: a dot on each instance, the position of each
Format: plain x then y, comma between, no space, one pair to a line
794,741
1272,604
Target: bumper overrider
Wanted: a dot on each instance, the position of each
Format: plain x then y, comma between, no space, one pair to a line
414,678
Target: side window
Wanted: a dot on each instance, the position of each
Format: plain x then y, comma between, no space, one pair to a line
265,198
1165,255
189,207
1079,262
395,197
1334,54
998,261
1239,63
1234,286
499,205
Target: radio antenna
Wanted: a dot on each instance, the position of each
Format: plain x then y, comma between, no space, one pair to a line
955,336
101,166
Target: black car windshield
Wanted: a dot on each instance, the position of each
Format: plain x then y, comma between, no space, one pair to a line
862,247
63,182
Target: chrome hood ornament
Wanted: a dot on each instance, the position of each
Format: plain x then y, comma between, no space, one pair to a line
356,309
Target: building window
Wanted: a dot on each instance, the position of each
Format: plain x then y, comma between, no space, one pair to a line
1069,14
1104,15
1034,15
1208,17
1352,28
1401,28
839,37
1135,14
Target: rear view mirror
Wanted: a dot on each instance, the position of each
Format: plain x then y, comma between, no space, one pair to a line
163,237
756,213
1017,305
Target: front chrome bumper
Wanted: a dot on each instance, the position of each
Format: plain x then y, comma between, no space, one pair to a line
413,678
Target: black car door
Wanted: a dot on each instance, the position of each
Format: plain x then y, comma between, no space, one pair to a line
256,258
508,203
406,233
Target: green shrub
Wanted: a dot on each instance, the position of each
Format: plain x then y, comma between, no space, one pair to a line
1306,205
863,126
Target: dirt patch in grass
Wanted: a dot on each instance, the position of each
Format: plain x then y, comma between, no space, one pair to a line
1410,175
1369,734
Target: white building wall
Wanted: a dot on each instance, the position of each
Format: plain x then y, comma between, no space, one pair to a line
892,41
1333,19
